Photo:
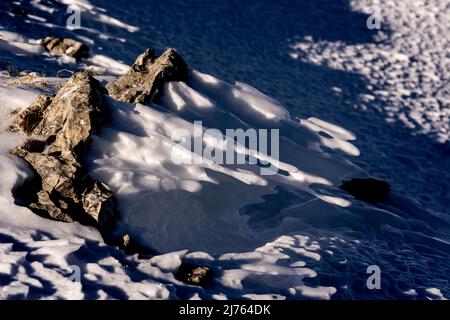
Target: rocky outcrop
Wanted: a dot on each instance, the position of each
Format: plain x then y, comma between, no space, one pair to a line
58,130
28,119
147,75
130,246
369,190
194,274
65,46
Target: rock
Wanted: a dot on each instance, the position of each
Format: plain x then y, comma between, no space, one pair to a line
59,129
99,202
34,146
130,247
194,274
29,118
23,12
65,46
369,190
147,75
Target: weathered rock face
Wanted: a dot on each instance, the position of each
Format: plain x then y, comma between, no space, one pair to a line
65,46
194,274
147,75
59,128
369,190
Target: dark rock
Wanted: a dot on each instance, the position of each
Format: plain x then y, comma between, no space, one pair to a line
369,190
99,202
44,203
59,129
194,274
147,75
65,46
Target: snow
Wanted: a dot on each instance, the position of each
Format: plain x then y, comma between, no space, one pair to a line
133,156
407,73
342,108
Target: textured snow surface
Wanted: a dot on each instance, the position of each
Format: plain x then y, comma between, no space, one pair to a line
348,102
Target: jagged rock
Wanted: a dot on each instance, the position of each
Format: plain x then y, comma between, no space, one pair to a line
98,201
23,12
65,46
369,190
147,75
194,274
28,119
59,128
130,247
34,146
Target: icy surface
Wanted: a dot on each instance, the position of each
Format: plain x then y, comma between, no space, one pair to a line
347,101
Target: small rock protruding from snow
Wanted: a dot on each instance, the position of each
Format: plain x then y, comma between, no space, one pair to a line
98,201
29,118
58,128
194,274
147,75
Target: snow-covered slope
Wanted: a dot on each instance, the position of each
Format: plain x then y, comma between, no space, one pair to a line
199,205
291,235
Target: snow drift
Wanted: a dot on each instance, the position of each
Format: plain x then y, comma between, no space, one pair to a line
292,235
